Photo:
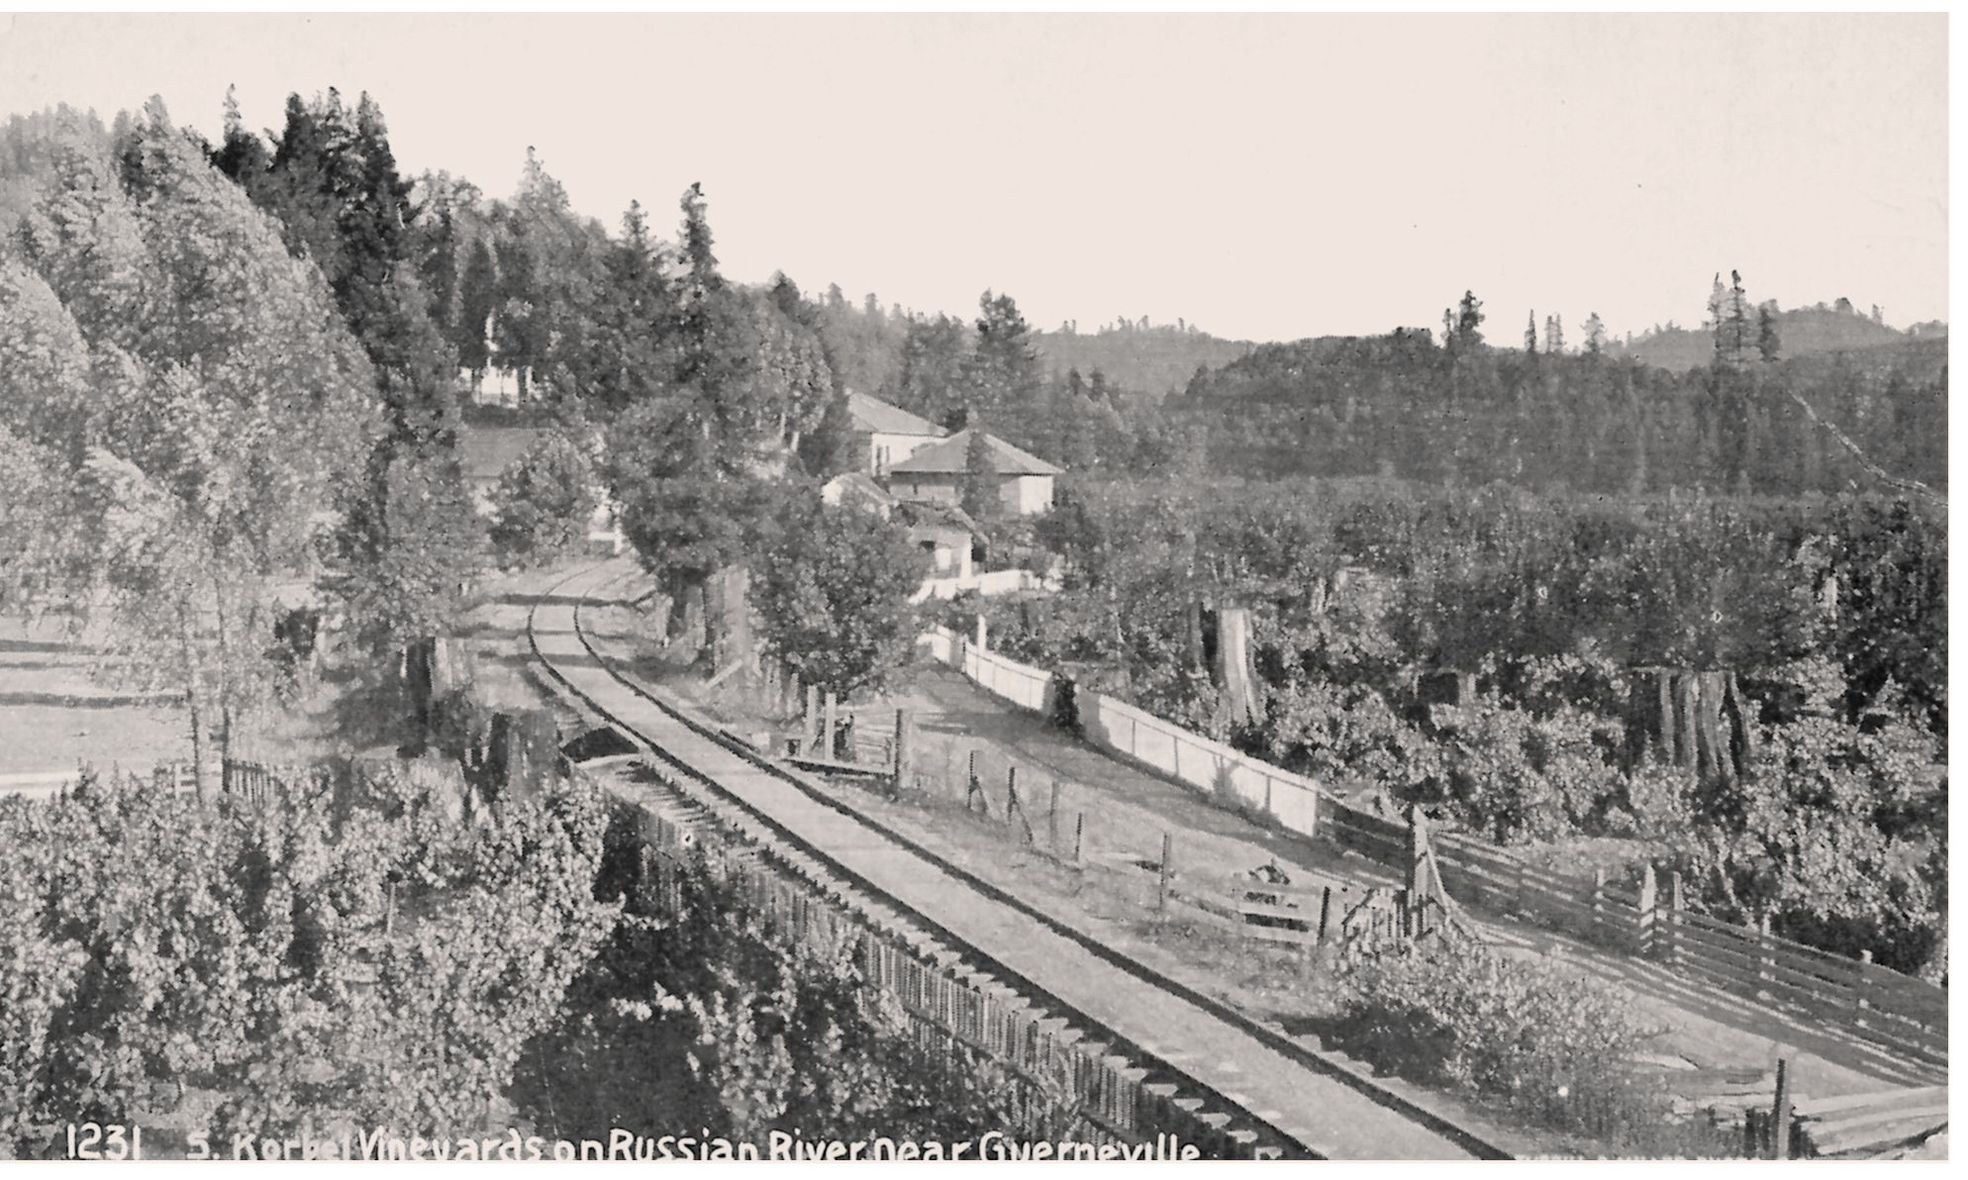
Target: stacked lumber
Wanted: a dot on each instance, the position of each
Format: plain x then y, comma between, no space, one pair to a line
1885,1124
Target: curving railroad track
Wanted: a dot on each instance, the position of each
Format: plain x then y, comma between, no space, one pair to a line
1279,1097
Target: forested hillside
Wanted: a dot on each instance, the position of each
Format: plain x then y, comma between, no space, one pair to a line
1402,405
1803,331
1150,361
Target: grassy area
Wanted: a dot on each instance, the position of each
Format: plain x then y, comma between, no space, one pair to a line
57,710
55,715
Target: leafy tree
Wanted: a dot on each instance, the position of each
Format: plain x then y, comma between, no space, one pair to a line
221,411
829,449
832,586
407,546
695,469
930,378
543,503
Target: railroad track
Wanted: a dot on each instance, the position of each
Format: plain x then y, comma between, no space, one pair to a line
1265,1090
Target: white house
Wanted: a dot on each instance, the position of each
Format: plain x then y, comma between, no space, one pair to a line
935,474
887,434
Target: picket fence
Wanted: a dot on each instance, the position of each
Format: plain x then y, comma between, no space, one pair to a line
1896,1011
1111,1100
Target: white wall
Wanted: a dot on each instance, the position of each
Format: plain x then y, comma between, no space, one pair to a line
1027,495
886,450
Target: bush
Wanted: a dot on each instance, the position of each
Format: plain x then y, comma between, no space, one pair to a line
1552,1044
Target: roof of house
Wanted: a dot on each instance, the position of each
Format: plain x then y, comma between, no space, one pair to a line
860,486
874,414
949,457
928,515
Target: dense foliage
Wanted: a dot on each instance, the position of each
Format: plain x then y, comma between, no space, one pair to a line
366,952
188,397
832,587
542,506
703,1011
1562,619
1549,1043
1400,405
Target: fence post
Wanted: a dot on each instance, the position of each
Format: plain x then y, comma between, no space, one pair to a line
827,750
1079,834
983,636
812,731
1780,1114
1862,985
1672,928
1765,950
1644,931
903,728
1599,905
1052,819
1168,853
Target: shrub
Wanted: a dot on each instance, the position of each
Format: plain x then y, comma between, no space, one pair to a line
1550,1043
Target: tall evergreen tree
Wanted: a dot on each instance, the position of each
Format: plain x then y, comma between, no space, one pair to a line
1469,321
478,298
1003,379
1595,335
1768,344
978,492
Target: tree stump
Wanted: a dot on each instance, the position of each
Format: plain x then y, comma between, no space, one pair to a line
1696,720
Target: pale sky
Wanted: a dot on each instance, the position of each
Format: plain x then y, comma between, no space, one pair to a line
1265,177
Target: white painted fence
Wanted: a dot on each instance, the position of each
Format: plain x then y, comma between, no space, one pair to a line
995,582
1224,775
1233,779
1021,684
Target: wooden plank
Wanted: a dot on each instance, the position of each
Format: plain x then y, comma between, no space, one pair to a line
1868,1125
1898,1096
1280,934
1250,909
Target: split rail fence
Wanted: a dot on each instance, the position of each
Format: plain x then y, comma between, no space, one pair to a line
1896,1011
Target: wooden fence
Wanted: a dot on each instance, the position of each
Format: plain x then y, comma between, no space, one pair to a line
1881,1005
251,782
1894,1010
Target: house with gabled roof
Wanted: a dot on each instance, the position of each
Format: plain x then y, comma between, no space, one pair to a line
935,474
886,434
